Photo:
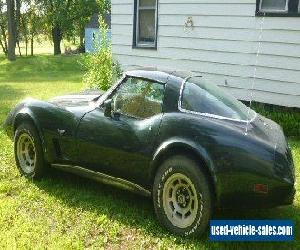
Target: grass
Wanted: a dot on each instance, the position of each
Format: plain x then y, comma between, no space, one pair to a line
41,47
65,211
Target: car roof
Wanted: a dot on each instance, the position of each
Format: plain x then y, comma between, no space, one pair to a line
161,76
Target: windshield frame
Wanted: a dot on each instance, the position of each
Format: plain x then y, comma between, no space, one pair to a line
183,110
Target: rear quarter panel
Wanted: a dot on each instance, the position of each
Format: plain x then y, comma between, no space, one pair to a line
236,161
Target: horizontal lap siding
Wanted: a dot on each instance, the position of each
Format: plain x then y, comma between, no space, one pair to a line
222,46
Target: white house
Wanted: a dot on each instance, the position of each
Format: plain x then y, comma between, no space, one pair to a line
219,39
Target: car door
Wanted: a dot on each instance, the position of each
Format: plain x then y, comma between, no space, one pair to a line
122,145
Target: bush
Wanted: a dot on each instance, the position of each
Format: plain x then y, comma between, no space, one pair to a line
101,70
287,118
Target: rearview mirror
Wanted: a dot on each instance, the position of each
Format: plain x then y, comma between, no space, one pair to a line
107,108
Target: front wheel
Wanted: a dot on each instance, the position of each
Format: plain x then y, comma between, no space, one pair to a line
182,196
28,151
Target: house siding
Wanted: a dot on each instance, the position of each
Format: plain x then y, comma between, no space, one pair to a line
222,46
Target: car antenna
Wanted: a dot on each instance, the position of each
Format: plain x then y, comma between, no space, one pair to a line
255,71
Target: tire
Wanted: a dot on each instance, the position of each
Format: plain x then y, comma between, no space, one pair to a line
28,151
182,196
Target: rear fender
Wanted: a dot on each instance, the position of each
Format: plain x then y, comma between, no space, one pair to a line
177,145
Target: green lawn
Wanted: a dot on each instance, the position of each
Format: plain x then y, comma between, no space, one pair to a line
65,211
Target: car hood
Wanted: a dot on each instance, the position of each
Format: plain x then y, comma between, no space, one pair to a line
76,100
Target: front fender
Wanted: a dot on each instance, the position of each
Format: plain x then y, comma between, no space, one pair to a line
26,114
174,144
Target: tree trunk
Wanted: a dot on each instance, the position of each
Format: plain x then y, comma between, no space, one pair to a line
56,37
17,24
11,25
3,47
18,43
4,41
81,39
26,46
31,43
81,43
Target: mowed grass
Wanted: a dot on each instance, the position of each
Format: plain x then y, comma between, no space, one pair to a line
63,211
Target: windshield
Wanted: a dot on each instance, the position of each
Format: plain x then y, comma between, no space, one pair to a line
207,98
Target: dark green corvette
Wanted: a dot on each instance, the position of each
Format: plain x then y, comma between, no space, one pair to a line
169,135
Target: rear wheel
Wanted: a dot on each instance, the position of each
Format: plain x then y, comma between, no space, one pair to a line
28,151
182,196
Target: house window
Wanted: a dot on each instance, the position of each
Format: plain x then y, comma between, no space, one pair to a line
274,5
145,23
277,7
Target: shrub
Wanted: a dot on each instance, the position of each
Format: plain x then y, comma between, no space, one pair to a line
101,70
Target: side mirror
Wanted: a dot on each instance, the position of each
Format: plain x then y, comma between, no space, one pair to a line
107,108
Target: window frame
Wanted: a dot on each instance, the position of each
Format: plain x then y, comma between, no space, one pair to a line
126,77
183,110
136,44
292,9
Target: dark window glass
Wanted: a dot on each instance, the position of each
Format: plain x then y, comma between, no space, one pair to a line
206,98
147,26
147,3
274,5
139,98
280,8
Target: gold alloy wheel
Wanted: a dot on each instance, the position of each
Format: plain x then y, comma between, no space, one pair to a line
26,153
180,200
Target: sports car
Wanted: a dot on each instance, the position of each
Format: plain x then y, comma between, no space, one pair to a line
169,135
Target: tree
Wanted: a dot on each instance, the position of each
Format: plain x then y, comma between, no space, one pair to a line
3,27
31,24
17,23
11,27
66,18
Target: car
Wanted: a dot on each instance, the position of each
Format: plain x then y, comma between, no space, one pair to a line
169,135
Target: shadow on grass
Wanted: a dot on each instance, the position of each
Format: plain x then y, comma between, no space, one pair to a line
137,212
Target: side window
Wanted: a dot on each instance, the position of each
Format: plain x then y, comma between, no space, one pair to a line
202,97
139,98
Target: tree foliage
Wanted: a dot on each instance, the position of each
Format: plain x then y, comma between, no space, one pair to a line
67,18
56,19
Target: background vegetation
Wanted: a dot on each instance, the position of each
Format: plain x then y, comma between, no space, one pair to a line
101,69
287,118
21,21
